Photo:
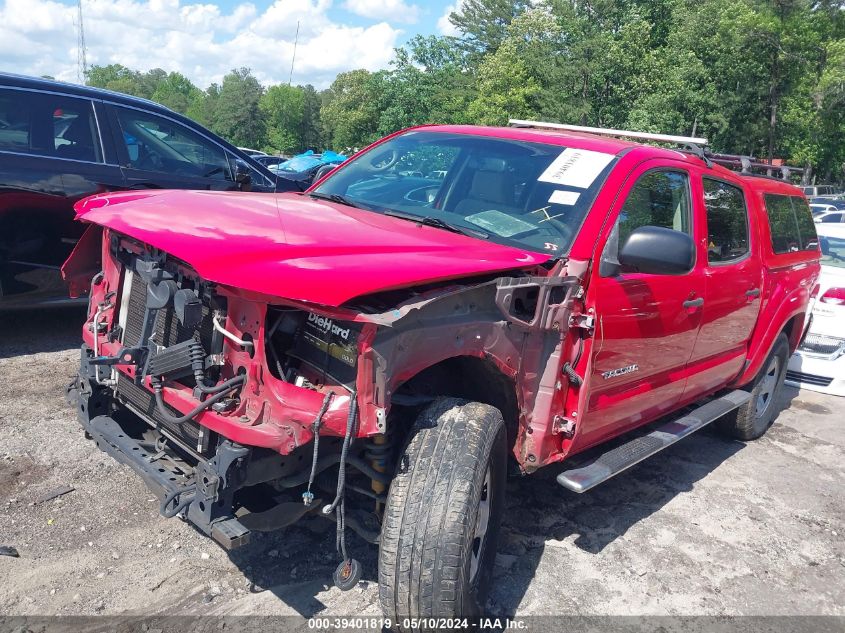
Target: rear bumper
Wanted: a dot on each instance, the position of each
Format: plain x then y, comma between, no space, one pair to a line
202,490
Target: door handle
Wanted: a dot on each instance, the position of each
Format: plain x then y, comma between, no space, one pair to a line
754,292
694,303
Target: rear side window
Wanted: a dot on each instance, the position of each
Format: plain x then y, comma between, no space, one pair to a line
790,223
659,198
808,240
49,125
15,121
727,221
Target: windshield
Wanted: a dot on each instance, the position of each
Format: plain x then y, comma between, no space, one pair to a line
513,192
833,251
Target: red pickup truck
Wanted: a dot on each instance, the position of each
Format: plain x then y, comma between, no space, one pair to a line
453,305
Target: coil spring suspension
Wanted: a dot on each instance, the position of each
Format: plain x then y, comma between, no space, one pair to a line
379,452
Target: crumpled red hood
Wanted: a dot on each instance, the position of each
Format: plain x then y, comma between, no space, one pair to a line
295,247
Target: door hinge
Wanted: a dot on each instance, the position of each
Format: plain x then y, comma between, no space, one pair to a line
583,321
563,426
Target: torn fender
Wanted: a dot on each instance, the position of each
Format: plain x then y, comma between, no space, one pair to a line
84,262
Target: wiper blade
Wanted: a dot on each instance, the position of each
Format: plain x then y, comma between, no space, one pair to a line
336,197
437,223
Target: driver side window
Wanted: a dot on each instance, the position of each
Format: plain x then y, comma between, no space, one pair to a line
659,198
158,144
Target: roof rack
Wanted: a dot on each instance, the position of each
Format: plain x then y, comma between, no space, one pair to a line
698,146
748,164
648,136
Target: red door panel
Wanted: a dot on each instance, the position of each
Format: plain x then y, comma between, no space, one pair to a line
643,340
644,334
733,277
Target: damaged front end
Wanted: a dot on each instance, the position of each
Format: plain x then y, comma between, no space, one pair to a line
176,381
244,412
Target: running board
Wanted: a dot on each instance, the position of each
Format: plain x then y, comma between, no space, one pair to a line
604,466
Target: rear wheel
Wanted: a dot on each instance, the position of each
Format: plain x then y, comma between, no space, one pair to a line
754,418
444,508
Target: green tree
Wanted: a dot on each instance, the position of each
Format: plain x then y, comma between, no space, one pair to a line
203,106
431,82
237,113
506,87
117,78
312,133
149,81
813,116
350,109
176,92
483,23
283,109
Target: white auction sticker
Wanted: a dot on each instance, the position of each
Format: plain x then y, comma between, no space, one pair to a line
576,167
559,196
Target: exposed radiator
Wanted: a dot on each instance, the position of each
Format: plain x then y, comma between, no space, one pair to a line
167,331
143,402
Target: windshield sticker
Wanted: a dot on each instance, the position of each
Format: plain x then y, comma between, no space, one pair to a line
550,247
500,223
576,168
567,198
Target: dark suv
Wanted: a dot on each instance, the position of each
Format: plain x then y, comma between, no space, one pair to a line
62,142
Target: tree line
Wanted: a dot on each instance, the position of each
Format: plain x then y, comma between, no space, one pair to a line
756,77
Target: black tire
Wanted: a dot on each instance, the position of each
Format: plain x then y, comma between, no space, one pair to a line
455,458
754,418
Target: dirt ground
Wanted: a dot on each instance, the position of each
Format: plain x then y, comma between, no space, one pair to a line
708,526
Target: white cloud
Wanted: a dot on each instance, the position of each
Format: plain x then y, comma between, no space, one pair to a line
395,10
38,37
443,24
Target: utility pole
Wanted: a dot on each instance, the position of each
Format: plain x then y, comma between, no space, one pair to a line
81,61
292,59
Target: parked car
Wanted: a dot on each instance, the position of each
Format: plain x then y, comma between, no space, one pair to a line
270,161
829,217
819,209
309,166
382,355
252,152
819,362
61,142
821,190
830,202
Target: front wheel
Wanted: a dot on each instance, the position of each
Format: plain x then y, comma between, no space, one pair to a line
444,508
754,418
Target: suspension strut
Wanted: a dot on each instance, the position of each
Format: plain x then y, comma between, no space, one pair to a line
378,451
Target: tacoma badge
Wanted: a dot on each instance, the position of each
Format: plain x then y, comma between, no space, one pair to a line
613,373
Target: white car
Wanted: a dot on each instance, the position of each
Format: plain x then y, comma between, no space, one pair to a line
830,217
819,362
819,207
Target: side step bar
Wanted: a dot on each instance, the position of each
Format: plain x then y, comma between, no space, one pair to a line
604,466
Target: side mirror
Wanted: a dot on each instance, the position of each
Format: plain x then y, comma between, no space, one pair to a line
658,251
241,173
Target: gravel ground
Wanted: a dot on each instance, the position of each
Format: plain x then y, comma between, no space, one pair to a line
708,526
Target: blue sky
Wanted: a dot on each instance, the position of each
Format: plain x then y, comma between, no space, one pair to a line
205,39
429,13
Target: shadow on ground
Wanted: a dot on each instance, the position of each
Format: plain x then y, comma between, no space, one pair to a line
542,510
296,564
39,331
